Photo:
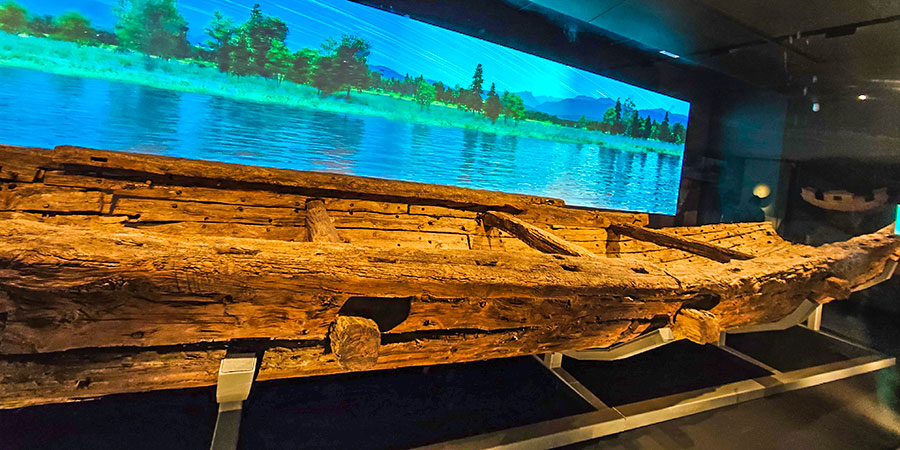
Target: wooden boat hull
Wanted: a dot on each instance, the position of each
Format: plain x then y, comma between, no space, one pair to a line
126,273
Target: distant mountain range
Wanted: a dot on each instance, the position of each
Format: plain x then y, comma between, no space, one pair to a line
591,108
564,108
387,72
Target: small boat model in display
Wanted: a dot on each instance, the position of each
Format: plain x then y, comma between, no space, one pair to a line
124,272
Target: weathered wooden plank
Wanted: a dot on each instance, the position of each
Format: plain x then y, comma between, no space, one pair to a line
690,245
71,376
66,377
291,233
18,169
82,160
404,222
533,236
149,190
435,314
153,210
404,239
440,211
132,189
574,217
578,234
318,224
39,198
499,240
355,205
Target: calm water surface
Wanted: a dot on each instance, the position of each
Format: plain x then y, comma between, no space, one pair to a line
45,110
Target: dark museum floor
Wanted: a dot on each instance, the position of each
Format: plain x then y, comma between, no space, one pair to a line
409,407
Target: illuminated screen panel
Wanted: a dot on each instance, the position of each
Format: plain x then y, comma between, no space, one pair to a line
333,86
897,221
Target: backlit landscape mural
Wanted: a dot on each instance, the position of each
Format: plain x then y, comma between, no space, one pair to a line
334,86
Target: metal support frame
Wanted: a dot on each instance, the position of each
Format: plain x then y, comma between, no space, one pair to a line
655,339
607,420
808,311
236,373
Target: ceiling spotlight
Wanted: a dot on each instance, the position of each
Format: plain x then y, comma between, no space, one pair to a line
815,107
669,54
862,97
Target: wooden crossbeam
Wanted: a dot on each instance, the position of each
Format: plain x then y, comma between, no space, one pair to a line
671,240
533,236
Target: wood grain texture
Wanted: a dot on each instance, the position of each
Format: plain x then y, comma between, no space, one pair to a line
690,245
698,326
355,342
533,236
68,158
318,224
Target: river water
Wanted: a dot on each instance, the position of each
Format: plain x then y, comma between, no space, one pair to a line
45,110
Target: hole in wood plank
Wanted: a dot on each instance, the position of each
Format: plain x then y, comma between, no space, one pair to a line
98,159
703,301
387,312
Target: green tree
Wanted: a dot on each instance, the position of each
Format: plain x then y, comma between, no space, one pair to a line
618,127
492,105
679,133
41,25
473,101
609,119
654,130
222,30
154,27
665,134
12,18
513,106
260,34
478,81
279,60
325,77
304,64
73,27
582,122
633,127
344,65
425,93
440,92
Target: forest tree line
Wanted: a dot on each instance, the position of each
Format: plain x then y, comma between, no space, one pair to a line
258,47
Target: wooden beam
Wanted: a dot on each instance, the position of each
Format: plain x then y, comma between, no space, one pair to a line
85,160
671,240
319,224
355,342
535,237
698,326
833,288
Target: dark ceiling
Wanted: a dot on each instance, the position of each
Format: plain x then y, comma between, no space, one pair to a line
782,45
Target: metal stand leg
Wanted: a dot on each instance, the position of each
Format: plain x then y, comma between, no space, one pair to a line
814,322
235,378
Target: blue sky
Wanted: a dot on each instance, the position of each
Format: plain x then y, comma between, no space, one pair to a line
398,42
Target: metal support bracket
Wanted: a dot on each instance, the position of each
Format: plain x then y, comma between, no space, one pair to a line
236,373
655,339
801,314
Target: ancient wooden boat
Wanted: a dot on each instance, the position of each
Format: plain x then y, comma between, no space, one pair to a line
124,272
